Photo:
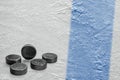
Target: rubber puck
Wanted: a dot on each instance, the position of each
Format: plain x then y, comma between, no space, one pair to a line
18,69
38,64
50,57
13,58
28,52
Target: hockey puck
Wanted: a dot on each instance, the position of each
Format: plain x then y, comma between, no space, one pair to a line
28,52
18,69
50,57
13,58
38,64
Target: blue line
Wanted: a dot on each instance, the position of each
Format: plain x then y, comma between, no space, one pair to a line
90,40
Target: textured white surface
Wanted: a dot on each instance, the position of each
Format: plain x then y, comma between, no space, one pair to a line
43,23
115,56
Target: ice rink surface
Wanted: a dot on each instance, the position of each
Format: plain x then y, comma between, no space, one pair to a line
115,55
46,25
43,23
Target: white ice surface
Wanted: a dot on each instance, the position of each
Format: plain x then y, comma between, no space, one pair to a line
115,56
42,23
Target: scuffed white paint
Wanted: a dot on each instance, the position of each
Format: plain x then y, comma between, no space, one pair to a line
115,56
42,23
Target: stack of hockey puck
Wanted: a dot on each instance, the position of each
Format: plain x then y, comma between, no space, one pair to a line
29,52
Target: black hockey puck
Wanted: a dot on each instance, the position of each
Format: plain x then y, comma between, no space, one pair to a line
28,52
38,64
18,69
13,58
50,57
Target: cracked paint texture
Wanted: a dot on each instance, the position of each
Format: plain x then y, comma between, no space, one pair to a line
43,23
90,40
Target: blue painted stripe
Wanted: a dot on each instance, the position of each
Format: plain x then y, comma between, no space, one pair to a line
90,40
